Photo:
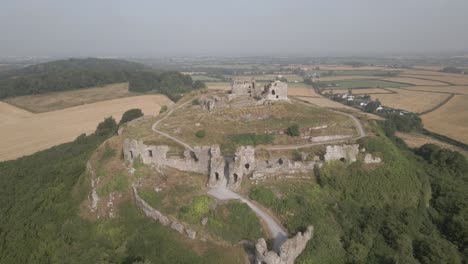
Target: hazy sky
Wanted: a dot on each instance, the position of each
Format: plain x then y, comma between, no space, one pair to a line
232,27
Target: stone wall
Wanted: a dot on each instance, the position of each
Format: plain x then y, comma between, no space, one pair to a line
346,153
288,252
196,160
158,216
245,88
275,91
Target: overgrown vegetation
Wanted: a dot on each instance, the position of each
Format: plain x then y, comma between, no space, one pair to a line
163,109
194,212
234,221
40,196
200,133
407,210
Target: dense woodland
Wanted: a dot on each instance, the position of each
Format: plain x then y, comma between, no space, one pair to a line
73,74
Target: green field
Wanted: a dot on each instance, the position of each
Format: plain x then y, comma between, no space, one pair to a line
205,78
351,84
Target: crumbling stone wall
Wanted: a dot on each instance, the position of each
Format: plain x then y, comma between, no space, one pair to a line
346,153
282,166
210,102
288,252
245,88
196,160
275,91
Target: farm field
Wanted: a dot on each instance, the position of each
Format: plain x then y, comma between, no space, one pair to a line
347,77
364,83
414,81
205,78
24,132
362,91
451,119
416,140
415,102
60,100
439,89
454,79
225,86
302,91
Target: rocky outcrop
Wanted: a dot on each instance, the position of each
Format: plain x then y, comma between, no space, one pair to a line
346,153
288,252
369,159
93,197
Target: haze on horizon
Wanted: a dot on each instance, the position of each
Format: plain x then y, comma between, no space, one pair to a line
213,27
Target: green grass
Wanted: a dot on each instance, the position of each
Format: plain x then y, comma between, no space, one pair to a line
233,222
351,84
232,142
198,208
118,183
151,197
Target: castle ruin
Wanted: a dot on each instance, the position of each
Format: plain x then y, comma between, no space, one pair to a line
273,91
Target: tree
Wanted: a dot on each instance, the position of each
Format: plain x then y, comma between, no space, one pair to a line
130,115
200,134
107,127
372,106
199,84
164,108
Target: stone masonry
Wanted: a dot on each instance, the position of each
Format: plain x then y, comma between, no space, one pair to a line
288,251
274,91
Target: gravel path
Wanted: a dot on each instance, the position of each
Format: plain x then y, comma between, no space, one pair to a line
277,231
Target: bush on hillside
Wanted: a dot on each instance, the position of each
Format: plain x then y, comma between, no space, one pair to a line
200,133
293,130
106,127
131,115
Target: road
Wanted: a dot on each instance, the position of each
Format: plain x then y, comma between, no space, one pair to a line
276,230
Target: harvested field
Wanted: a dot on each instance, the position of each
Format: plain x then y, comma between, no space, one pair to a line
438,89
415,102
60,100
415,140
301,91
414,81
225,86
451,119
351,68
362,91
345,77
451,78
24,133
428,68
362,83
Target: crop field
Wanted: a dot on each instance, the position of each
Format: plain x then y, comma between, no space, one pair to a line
416,140
414,81
415,102
225,86
439,89
350,84
24,132
450,78
362,91
302,91
451,119
347,77
60,100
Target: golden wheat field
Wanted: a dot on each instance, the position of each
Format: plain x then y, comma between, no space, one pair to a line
439,89
414,81
450,78
60,100
451,119
415,102
23,132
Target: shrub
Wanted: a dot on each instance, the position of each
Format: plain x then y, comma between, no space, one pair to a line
198,84
200,133
131,115
195,102
164,108
293,130
199,207
106,127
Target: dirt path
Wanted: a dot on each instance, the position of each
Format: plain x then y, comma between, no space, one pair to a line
276,230
357,124
153,127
